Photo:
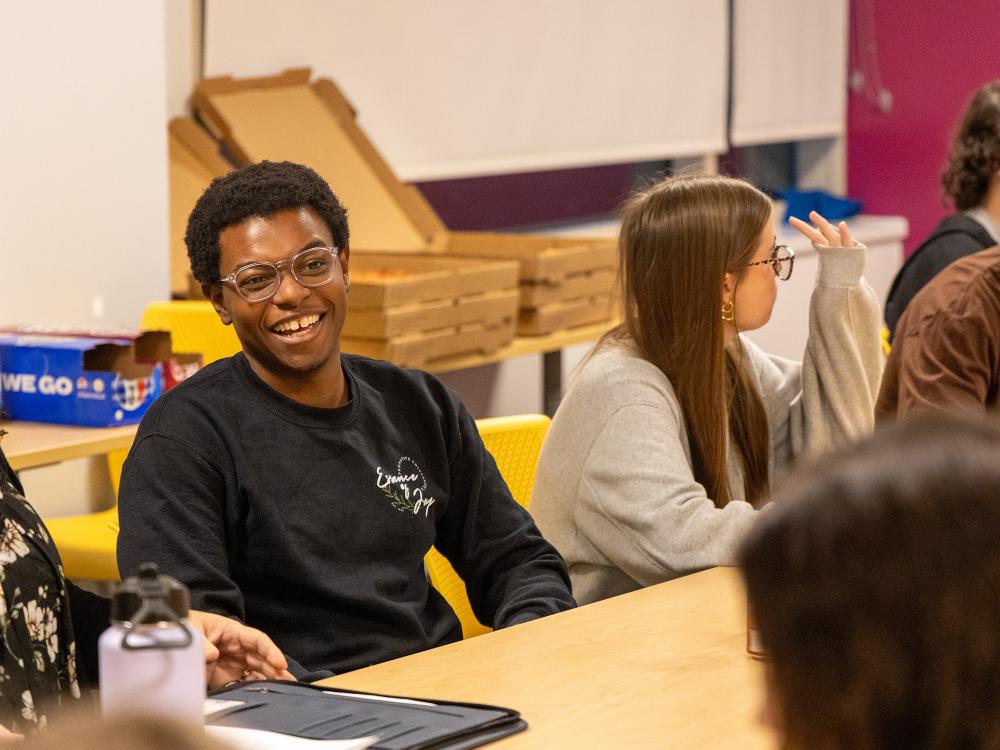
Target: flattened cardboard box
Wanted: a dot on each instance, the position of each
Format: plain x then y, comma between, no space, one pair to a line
81,381
194,161
287,117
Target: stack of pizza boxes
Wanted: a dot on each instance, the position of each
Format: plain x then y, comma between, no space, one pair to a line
419,293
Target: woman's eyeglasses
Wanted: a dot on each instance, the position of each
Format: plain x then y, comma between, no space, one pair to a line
782,261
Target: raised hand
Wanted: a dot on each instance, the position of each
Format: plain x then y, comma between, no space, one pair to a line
824,233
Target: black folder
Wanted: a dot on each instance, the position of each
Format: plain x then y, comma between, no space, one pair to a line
400,723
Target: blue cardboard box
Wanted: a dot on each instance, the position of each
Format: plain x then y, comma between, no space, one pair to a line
149,346
70,380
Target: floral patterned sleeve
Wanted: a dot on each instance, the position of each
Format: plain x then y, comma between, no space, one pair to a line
90,614
37,647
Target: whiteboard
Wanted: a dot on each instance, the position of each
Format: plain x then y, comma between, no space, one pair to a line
449,88
789,70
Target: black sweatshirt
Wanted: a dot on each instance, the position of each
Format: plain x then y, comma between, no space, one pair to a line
312,524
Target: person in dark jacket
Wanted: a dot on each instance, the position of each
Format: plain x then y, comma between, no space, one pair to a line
298,488
971,181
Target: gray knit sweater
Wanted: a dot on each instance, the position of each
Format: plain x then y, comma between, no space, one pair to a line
615,492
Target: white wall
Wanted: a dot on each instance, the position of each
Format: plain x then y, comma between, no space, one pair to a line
83,188
183,54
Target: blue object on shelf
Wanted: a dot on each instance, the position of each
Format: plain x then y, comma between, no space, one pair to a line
800,202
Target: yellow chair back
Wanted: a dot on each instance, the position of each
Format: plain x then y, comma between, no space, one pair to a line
194,327
515,443
87,543
116,461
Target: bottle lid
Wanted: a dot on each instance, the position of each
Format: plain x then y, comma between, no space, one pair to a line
166,598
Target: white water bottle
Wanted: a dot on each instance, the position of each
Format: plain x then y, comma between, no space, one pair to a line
151,660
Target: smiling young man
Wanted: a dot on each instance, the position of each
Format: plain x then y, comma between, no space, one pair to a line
297,488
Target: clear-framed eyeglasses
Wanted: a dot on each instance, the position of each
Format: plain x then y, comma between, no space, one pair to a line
782,261
258,282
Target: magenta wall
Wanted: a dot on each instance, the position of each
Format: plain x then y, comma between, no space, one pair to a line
932,55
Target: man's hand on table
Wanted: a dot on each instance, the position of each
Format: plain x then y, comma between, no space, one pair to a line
235,652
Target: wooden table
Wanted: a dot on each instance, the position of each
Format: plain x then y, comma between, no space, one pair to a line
662,667
29,444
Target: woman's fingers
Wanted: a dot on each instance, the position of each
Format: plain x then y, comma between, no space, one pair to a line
807,230
822,232
846,240
830,233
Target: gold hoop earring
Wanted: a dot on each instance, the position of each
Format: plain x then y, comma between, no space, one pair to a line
728,311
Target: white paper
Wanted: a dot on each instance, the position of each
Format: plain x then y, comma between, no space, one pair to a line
258,739
214,705
371,697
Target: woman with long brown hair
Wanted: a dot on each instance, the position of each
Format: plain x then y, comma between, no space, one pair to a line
666,441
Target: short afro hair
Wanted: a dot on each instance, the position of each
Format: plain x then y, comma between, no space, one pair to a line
257,190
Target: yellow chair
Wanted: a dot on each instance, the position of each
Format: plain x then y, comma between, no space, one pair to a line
87,543
515,443
194,327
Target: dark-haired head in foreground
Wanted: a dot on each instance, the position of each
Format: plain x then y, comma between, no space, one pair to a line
875,583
